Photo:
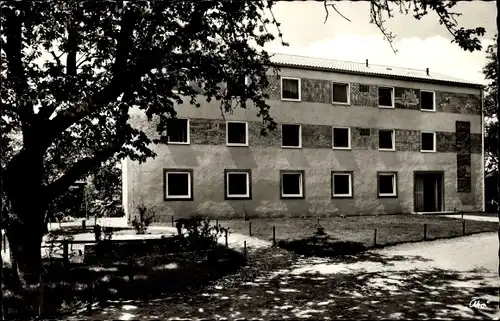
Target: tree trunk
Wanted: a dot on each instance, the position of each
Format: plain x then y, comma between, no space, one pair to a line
498,127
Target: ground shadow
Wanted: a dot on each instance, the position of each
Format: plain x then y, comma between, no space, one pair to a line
269,288
72,286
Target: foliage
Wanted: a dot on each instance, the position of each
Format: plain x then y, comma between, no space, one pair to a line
490,108
144,218
198,229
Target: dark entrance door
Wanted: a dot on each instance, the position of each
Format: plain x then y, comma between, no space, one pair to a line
428,192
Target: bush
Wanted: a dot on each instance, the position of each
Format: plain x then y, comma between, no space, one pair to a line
198,229
144,218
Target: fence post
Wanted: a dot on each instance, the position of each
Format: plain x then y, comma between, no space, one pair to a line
375,237
425,231
226,237
90,287
462,212
274,235
65,252
318,221
245,249
463,227
217,224
40,303
250,228
172,221
83,224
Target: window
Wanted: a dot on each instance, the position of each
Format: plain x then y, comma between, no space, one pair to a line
290,88
237,184
341,137
386,139
364,88
178,184
292,184
178,131
341,184
236,133
291,135
428,141
237,87
340,93
387,185
427,101
386,97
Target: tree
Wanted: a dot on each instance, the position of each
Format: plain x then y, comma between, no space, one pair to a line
490,103
71,71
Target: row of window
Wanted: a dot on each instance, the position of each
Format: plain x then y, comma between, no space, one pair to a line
238,184
291,88
291,136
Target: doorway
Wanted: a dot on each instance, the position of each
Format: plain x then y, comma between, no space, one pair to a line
429,191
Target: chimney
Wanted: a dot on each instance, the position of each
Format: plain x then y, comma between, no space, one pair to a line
427,71
366,62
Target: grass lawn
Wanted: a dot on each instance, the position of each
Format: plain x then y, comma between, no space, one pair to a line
391,229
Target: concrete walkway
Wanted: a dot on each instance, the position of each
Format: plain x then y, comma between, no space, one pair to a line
486,218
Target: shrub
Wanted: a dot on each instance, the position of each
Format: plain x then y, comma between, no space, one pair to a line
197,230
144,218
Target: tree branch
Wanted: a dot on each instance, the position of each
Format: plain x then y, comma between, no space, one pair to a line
72,49
13,50
334,8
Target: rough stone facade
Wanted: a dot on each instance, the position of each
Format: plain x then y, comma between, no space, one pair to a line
407,98
367,98
457,123
463,150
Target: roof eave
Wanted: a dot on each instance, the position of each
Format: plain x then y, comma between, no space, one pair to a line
432,81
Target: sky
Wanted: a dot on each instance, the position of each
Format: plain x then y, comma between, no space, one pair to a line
421,43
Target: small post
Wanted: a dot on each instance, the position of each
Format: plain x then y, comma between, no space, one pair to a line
250,228
274,235
83,224
462,212
217,224
375,237
463,227
172,221
40,303
90,287
318,221
245,249
226,236
65,252
425,231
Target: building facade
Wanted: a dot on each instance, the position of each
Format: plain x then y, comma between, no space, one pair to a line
352,139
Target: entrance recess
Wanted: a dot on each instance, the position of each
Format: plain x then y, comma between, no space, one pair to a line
429,191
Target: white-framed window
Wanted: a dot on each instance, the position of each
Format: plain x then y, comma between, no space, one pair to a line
341,137
290,88
178,131
178,184
340,93
427,100
386,139
428,141
386,97
238,86
292,183
341,184
291,135
387,184
238,183
236,133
